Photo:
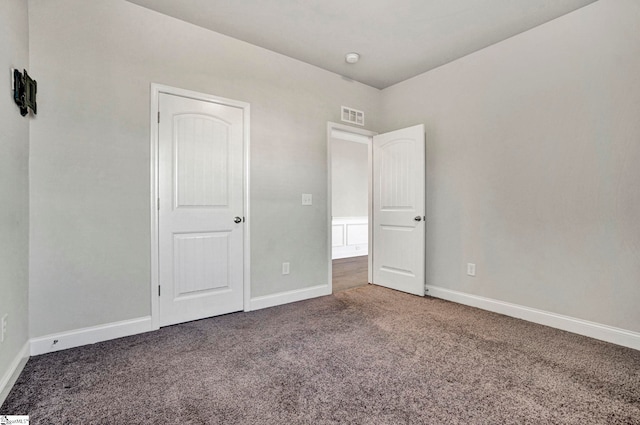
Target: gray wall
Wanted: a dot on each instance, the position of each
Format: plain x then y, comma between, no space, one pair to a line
349,179
90,154
533,153
14,184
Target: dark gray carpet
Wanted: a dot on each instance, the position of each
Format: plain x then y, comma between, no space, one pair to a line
363,356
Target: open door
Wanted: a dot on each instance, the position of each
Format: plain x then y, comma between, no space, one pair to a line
399,210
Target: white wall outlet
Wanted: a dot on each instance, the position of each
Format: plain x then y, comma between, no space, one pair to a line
285,268
471,269
307,199
3,327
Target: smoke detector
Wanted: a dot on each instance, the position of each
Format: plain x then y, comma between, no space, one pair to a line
352,57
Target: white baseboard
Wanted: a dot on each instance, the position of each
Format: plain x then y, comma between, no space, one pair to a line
11,375
289,297
90,335
582,327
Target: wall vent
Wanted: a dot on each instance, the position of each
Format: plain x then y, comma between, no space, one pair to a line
352,116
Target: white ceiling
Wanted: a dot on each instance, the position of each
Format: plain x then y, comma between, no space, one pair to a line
397,39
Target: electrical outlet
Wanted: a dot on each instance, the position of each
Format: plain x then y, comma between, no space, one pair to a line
285,268
307,199
471,269
3,327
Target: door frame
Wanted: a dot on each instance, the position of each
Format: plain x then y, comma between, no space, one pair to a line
356,132
156,90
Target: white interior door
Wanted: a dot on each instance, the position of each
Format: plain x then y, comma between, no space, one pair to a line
399,209
201,209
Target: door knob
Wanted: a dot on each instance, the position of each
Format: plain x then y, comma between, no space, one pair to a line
237,220
417,218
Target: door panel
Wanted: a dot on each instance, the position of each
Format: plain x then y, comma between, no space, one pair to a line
202,156
398,200
200,262
397,165
201,192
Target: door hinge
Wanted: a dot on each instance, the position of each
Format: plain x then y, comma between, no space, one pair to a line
158,290
158,117
158,204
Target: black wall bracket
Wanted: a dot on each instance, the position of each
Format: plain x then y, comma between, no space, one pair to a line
24,92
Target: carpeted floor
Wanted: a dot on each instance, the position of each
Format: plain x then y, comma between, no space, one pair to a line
363,356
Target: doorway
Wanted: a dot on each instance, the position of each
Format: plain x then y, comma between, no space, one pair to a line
349,205
395,221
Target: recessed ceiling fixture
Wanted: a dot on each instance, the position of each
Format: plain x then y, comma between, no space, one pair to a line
352,57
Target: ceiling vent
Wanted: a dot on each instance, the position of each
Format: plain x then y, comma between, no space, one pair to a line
352,116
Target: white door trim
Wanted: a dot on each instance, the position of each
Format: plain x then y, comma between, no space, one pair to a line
156,89
358,132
